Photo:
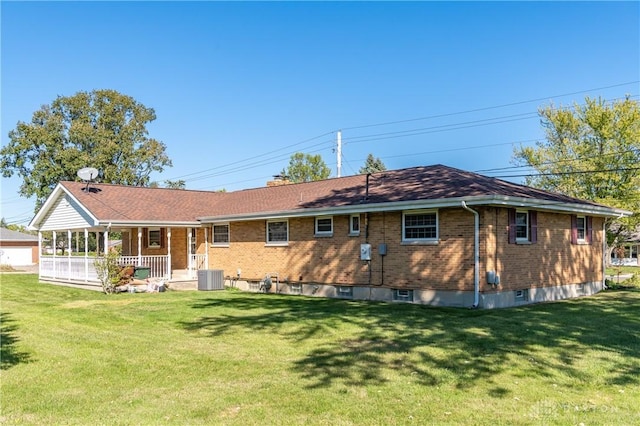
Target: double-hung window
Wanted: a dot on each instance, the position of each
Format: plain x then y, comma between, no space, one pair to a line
354,224
420,226
154,238
277,232
523,226
324,226
581,229
221,235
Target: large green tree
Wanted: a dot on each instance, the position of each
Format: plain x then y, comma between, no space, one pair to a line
102,129
591,151
306,168
371,165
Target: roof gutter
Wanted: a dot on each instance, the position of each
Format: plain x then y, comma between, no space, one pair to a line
476,255
484,200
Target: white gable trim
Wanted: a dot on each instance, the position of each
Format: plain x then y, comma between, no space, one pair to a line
62,210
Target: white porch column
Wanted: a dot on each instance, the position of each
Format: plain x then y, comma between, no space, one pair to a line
68,255
139,245
169,253
55,252
39,253
106,241
86,254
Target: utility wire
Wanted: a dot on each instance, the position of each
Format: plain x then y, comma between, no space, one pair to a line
228,168
488,108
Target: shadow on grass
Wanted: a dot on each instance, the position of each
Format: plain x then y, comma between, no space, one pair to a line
434,344
9,355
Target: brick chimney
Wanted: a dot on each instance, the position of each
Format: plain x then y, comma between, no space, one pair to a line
279,180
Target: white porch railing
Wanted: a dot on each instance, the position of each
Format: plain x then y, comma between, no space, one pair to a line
196,263
158,264
76,268
68,268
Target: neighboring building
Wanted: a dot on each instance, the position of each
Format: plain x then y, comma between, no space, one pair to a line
434,235
18,248
631,248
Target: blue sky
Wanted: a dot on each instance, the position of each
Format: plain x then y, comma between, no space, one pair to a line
238,87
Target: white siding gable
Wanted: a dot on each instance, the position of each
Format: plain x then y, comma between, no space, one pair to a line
66,214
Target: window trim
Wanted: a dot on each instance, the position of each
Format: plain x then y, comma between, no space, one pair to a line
532,226
279,242
319,233
429,240
213,235
575,230
352,231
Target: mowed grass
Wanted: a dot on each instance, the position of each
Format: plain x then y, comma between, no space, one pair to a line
73,356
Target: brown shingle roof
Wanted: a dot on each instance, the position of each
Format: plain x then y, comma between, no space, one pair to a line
131,203
122,203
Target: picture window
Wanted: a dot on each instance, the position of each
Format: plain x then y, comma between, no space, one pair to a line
420,226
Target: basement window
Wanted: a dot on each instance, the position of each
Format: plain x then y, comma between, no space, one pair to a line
522,295
402,295
344,292
295,289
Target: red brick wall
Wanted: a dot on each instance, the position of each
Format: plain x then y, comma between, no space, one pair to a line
448,265
552,261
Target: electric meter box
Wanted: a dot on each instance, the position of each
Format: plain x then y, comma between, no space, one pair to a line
365,251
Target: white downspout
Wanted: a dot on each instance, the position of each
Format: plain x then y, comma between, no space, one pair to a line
476,256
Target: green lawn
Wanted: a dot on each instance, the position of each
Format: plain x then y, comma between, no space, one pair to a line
80,357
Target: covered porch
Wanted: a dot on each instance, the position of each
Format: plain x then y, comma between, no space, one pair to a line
172,254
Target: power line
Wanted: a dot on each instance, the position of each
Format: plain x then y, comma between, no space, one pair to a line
564,160
488,108
573,172
270,157
256,156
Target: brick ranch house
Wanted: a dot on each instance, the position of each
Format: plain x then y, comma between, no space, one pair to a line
432,235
